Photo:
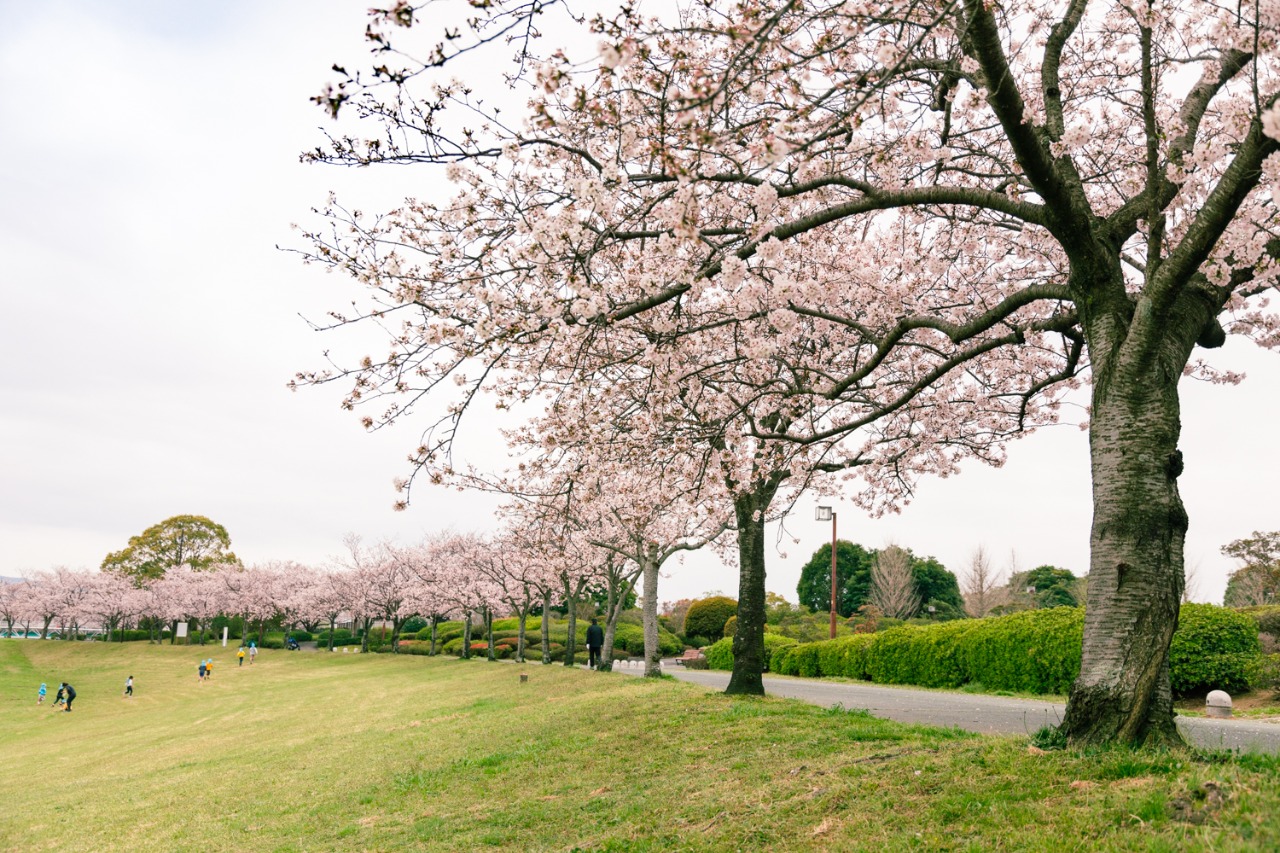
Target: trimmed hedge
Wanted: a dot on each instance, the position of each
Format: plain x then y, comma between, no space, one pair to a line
1034,651
1213,649
720,653
925,655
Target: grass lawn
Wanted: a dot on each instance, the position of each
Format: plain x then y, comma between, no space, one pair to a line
319,751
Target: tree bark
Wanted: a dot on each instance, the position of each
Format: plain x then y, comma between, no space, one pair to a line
649,613
466,636
748,635
524,617
571,611
546,626
1139,526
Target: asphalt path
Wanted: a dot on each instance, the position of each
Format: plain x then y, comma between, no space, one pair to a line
998,715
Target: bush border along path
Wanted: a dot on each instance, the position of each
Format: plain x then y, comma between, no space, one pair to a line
1035,651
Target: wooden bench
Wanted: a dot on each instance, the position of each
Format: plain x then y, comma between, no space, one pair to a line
690,654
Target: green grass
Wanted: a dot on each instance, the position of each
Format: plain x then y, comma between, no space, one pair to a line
327,751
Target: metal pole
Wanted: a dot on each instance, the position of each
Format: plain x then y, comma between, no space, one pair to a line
833,575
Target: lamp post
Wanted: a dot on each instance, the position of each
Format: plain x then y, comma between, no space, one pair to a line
825,513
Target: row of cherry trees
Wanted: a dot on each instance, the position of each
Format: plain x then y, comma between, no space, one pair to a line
744,248
447,576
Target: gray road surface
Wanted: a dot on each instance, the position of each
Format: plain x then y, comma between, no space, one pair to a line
975,713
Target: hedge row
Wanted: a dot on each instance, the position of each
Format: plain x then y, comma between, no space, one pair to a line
720,653
1035,651
628,638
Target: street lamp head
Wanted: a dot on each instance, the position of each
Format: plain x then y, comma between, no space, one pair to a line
824,513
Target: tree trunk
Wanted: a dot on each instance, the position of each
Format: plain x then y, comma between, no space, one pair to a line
1136,562
571,641
619,586
488,627
524,617
466,636
546,626
748,635
435,620
649,613
333,623
395,635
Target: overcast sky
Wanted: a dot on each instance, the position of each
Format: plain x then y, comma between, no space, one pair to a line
149,324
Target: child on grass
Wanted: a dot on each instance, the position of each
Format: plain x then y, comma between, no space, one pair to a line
40,694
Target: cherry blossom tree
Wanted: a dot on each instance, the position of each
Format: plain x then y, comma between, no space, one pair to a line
459,584
393,581
111,600
328,598
974,208
11,598
41,600
515,576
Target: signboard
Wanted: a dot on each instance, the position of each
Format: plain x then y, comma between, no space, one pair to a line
182,630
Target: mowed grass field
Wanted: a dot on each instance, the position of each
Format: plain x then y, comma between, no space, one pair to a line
318,751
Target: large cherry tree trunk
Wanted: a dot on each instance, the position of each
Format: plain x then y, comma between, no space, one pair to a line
750,510
649,611
1139,525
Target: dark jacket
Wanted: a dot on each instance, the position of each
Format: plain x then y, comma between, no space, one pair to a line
595,636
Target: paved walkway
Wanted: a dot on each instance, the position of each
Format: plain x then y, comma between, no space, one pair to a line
973,712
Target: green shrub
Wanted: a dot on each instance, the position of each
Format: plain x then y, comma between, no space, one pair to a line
129,635
453,647
720,654
1034,651
445,632
731,625
773,644
845,657
630,638
1266,674
785,661
925,655
301,636
1267,616
804,659
1213,649
707,616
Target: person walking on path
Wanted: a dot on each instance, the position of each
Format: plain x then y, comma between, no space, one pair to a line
128,687
71,695
595,642
41,693
240,655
